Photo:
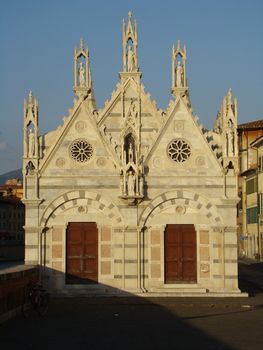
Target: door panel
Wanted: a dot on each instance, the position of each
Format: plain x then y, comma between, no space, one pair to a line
82,253
180,254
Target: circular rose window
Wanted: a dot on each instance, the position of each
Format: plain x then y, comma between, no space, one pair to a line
179,150
81,150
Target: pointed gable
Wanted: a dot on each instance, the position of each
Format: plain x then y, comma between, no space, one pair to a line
180,146
79,148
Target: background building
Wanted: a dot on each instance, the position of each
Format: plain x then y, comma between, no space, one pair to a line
12,220
250,189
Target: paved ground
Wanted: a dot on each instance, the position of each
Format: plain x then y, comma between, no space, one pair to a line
137,323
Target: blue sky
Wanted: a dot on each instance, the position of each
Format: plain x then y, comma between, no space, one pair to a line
224,49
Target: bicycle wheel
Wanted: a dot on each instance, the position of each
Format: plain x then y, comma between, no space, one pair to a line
26,309
43,304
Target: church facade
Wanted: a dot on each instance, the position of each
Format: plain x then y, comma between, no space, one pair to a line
130,198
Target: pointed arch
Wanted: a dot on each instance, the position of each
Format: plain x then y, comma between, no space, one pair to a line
191,199
73,198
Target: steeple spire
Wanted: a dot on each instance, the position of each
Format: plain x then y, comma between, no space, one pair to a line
82,78
31,146
130,54
130,58
179,81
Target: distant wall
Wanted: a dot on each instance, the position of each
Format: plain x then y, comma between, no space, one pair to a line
12,290
12,250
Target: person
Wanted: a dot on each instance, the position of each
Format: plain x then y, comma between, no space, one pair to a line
179,75
81,74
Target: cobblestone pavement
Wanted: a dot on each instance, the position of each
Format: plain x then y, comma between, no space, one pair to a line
142,323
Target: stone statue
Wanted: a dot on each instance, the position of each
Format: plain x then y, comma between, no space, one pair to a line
131,183
81,75
141,186
31,143
230,139
130,153
121,185
179,75
30,169
133,110
130,59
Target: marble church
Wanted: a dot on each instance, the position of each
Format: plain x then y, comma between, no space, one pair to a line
129,198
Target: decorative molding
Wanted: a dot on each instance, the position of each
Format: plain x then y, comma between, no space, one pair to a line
74,198
191,199
60,162
80,126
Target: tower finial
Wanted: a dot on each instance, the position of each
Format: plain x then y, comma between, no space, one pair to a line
179,81
130,58
30,97
81,44
82,83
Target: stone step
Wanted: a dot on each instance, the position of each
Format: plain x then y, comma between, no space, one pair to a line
184,290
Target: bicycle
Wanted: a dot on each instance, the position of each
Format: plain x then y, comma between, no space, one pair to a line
36,298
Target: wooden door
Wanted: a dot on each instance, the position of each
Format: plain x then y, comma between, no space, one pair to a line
82,253
180,254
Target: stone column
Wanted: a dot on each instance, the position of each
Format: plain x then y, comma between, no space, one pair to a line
203,254
32,232
225,262
105,254
156,259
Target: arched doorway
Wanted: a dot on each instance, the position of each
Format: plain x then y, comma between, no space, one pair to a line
180,253
82,253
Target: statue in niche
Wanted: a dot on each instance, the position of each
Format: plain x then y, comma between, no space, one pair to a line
230,139
30,169
131,183
130,153
81,75
133,110
31,143
179,75
121,185
141,186
130,59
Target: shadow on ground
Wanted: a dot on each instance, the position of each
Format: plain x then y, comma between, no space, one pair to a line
136,323
111,323
250,276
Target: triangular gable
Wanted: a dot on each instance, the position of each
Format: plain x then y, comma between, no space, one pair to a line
113,118
80,125
180,124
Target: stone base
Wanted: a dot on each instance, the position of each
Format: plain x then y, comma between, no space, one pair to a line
105,291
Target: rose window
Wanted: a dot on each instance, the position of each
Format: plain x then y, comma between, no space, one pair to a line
81,150
179,150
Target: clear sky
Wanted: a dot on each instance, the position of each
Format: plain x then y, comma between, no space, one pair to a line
224,40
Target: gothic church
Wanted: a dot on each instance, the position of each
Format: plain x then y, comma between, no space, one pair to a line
129,198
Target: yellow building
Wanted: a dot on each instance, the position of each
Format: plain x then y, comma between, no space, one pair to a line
12,187
250,189
12,221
